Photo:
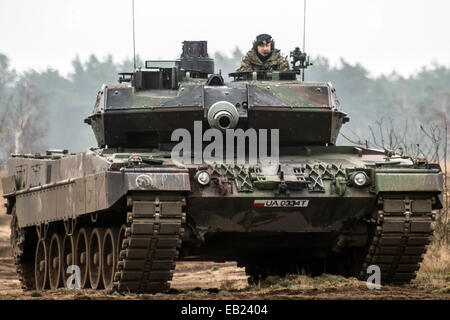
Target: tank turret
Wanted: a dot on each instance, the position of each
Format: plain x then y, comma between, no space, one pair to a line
166,95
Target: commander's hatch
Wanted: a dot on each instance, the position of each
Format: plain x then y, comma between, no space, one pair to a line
157,75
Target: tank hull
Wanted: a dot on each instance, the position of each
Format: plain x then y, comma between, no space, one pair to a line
248,213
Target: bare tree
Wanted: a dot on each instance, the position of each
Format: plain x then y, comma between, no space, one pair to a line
7,80
26,105
21,125
3,117
387,135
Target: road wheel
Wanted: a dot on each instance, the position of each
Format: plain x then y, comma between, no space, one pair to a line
109,256
68,256
41,265
55,262
95,258
82,255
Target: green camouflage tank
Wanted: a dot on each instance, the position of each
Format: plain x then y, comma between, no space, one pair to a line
189,167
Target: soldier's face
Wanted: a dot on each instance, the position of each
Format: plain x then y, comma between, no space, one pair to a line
264,49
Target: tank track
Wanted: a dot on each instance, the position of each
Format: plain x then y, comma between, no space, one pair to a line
399,240
404,229
150,247
24,269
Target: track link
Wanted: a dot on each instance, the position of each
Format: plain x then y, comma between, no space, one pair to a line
24,269
150,247
404,229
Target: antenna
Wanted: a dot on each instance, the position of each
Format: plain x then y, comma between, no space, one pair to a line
134,38
304,24
304,34
297,55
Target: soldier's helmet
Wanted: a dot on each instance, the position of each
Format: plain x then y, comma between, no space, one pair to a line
263,39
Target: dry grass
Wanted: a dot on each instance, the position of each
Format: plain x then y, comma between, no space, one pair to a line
303,282
434,273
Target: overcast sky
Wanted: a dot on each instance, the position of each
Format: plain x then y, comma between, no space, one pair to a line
382,35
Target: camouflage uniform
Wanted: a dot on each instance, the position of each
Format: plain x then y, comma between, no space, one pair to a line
275,62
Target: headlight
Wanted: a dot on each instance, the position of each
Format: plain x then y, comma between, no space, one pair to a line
203,178
360,179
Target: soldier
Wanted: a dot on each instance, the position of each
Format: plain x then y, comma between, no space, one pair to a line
263,56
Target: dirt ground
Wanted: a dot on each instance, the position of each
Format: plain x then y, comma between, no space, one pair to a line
208,280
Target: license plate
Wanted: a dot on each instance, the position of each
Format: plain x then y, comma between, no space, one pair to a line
277,203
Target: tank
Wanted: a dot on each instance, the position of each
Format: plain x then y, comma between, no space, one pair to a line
189,167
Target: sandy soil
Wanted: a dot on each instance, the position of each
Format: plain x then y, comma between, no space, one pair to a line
219,282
